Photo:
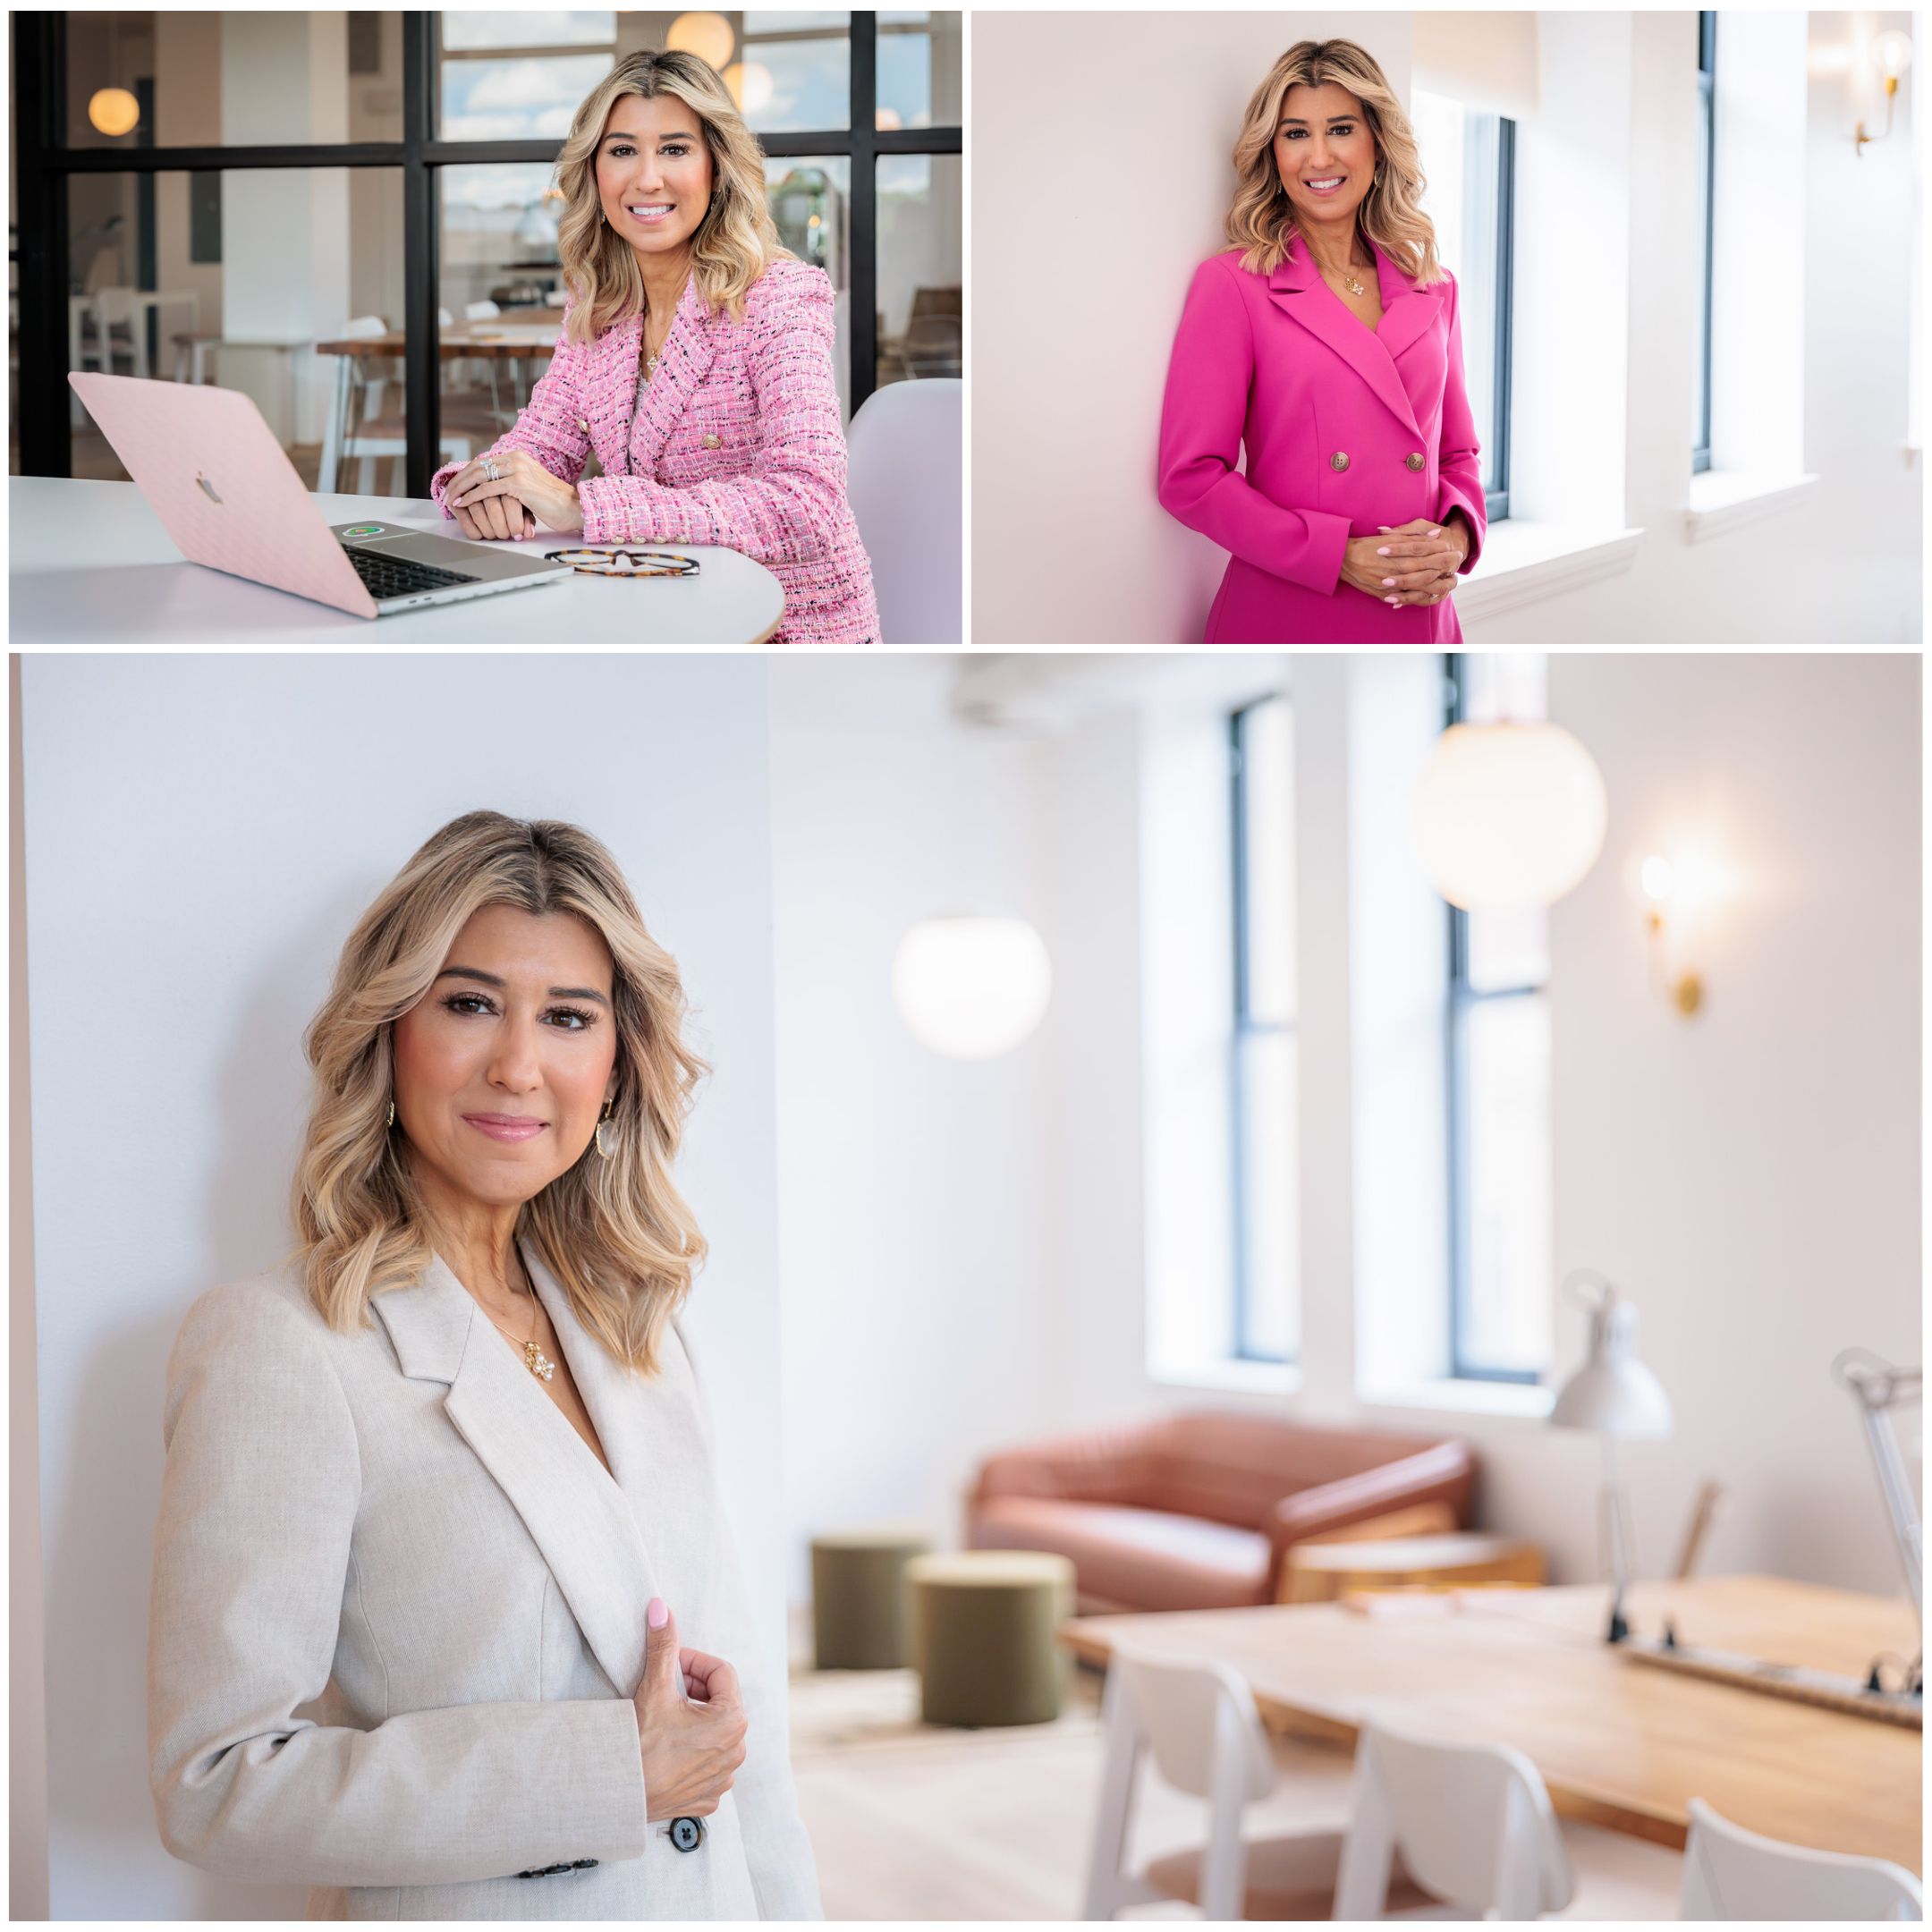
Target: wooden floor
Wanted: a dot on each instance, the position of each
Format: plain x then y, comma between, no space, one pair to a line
916,1822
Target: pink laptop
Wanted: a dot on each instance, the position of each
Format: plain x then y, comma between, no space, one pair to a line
228,496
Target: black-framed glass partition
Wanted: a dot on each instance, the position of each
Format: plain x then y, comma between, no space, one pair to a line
302,204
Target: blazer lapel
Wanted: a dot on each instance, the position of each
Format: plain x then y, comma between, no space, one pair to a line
579,1520
1298,288
617,351
682,363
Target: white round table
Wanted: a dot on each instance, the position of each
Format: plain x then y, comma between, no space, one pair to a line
89,564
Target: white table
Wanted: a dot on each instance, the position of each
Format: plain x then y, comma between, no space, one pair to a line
89,564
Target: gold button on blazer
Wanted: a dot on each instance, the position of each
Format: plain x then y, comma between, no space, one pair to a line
400,1530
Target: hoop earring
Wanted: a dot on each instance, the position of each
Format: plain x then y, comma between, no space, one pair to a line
603,1120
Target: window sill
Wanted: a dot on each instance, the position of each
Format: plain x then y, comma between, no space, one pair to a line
1530,1399
1232,1378
1523,562
1722,500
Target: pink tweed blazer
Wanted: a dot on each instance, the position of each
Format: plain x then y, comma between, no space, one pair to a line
738,444
1344,428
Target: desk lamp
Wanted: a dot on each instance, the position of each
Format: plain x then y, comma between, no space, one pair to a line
1615,1395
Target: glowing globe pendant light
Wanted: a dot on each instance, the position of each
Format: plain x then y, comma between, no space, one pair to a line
1508,815
971,988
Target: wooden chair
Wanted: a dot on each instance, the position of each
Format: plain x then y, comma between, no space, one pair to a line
1731,1873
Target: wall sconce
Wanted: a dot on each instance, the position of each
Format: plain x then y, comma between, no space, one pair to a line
1892,53
971,988
1662,886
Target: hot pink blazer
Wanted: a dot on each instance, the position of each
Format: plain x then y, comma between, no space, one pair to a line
1346,429
738,444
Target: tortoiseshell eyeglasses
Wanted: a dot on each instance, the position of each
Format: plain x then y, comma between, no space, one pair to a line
624,563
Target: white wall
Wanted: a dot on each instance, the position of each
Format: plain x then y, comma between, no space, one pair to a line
1116,214
200,835
1750,1176
914,1215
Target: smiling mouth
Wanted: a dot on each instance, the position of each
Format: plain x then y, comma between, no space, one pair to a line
1326,185
649,211
507,1126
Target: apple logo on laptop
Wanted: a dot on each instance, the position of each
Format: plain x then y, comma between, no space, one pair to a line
207,486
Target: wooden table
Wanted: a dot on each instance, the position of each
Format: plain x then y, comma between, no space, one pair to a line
1318,1573
502,341
1618,1745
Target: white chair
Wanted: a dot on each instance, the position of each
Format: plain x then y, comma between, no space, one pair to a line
903,482
1197,1722
485,310
1472,1823
372,435
120,309
1731,1873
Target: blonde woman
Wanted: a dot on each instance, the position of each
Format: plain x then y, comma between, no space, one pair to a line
1327,342
695,361
446,1623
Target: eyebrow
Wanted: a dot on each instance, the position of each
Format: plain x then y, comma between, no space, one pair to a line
1296,120
556,992
619,134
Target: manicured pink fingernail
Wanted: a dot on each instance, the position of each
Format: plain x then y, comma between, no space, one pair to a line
657,1614
1383,551
1387,582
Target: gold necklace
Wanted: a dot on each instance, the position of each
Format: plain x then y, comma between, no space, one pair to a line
651,360
534,1359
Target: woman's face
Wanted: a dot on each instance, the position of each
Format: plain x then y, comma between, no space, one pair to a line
654,173
503,1065
1321,137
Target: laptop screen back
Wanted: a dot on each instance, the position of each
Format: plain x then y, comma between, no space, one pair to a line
222,485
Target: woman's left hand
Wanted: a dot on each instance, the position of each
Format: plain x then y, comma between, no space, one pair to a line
550,500
1423,558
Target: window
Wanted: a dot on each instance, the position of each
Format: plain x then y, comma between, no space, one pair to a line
1706,203
1469,160
422,145
1499,1090
1267,1299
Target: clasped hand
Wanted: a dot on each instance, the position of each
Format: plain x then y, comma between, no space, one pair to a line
694,1739
1413,562
522,495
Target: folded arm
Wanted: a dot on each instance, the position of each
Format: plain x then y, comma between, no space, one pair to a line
790,508
548,428
1209,377
252,1557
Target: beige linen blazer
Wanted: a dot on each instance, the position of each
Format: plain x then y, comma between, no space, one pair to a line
400,1530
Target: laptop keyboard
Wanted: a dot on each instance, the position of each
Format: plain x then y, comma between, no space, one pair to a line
392,577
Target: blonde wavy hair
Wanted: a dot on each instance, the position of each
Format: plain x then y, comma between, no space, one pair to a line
1260,220
734,242
614,1230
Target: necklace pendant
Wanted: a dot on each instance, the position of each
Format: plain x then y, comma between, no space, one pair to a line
539,1364
1355,287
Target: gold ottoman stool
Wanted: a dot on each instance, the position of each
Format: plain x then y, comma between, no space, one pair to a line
859,1598
983,1635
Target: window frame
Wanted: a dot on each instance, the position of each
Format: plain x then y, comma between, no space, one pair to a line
1495,501
1245,1027
45,164
1700,449
1460,1001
